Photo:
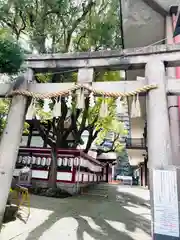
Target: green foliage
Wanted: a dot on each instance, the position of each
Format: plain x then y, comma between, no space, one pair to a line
67,24
4,105
106,76
26,128
11,56
101,29
44,116
4,108
44,77
106,124
63,26
123,166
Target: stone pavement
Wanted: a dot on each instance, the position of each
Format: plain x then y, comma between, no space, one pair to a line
124,214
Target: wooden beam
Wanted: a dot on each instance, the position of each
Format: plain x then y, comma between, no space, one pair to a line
124,86
173,86
133,58
155,49
38,87
49,87
156,7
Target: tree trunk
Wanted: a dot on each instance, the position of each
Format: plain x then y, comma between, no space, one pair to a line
53,169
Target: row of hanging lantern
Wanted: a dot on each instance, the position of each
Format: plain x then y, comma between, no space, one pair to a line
103,112
42,161
34,160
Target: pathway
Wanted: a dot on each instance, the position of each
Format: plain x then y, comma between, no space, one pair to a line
124,214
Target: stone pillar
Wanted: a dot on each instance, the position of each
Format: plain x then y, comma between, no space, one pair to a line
9,145
159,144
173,102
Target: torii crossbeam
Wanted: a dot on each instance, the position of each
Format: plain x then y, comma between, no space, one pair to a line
133,58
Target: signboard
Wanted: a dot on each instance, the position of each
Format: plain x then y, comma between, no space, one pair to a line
107,144
166,219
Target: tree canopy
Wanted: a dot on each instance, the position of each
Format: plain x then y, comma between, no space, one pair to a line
50,26
11,54
65,24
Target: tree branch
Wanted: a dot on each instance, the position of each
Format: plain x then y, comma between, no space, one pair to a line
84,117
73,127
91,138
86,9
23,26
60,123
80,38
42,133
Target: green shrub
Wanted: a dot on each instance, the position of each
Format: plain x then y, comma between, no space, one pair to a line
11,56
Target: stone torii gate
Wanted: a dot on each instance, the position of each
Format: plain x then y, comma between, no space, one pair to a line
154,59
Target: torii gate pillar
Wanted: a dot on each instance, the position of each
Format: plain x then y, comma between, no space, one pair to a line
160,157
159,144
9,145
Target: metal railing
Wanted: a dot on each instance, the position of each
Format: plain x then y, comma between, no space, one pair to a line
134,143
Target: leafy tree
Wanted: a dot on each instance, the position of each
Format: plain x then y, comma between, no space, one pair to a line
4,104
11,54
123,166
63,26
11,59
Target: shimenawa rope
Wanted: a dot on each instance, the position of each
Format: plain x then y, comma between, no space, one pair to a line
34,95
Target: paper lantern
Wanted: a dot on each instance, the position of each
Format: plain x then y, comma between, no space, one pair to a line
76,161
48,161
43,161
29,160
65,161
59,162
70,162
38,160
33,160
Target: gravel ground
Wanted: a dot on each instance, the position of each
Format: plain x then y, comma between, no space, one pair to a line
124,214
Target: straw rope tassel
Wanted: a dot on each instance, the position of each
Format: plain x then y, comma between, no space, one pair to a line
103,109
69,101
119,106
80,99
138,107
38,117
91,100
46,107
133,108
57,108
106,112
31,112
